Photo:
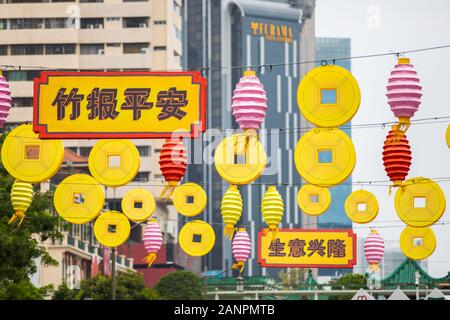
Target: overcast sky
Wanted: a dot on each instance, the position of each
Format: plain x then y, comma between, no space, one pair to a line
383,26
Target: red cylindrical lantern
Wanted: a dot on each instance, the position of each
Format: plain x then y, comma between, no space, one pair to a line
396,156
172,162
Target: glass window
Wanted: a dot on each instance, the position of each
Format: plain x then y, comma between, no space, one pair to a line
22,75
144,151
159,48
3,50
141,177
87,1
91,23
27,23
95,48
3,24
112,18
22,102
59,48
55,23
115,45
159,22
177,33
139,47
135,22
27,49
84,151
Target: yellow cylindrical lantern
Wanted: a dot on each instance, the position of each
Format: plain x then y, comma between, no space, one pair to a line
272,208
21,197
231,209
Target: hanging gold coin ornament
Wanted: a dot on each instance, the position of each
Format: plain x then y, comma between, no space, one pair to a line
114,163
112,228
417,243
138,205
447,136
21,198
231,210
189,199
30,159
361,206
196,238
420,202
79,198
325,157
328,96
272,208
240,159
313,200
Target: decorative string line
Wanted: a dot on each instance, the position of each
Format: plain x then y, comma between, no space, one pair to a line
258,67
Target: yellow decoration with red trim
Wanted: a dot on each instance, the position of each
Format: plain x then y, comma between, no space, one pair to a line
138,205
417,243
272,208
30,159
21,198
328,96
447,136
79,198
114,163
112,228
189,199
361,206
325,157
196,238
420,202
313,200
243,145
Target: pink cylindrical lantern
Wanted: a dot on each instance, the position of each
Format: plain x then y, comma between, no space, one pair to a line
249,102
152,240
5,100
241,248
404,91
374,249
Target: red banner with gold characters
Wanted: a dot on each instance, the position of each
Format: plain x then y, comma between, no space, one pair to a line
307,248
89,105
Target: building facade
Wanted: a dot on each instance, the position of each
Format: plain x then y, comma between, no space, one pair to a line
248,33
91,35
335,217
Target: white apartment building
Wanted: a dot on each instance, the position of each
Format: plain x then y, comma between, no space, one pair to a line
91,35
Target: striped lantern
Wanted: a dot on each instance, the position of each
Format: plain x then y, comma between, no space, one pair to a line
272,208
404,92
374,249
249,102
5,100
231,209
241,247
21,198
396,156
152,240
172,162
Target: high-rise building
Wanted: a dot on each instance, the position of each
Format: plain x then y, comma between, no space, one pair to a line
223,33
335,217
91,35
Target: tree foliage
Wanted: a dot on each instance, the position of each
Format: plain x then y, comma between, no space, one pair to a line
292,278
23,290
129,286
350,282
180,285
19,246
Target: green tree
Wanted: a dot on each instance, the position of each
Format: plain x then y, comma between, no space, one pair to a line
350,282
130,286
23,290
19,246
180,285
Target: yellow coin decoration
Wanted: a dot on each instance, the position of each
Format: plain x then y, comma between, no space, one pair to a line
328,96
138,205
112,228
114,163
420,202
189,199
417,243
361,206
325,157
79,198
30,159
251,154
196,238
313,200
447,136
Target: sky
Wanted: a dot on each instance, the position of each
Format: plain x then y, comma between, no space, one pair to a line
392,26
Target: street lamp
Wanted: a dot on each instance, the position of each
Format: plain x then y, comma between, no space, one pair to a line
239,283
417,284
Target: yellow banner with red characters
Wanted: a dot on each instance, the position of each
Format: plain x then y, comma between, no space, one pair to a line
307,248
88,105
